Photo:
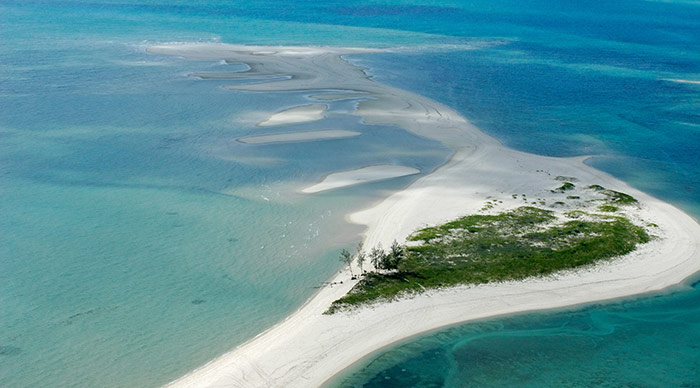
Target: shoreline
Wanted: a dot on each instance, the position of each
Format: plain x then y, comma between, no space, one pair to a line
672,289
308,348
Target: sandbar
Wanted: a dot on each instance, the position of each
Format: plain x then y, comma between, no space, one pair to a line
339,96
308,347
682,81
290,137
298,114
234,75
361,175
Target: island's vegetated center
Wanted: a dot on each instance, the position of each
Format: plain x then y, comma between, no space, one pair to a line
512,245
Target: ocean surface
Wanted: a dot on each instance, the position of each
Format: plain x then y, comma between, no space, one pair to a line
139,240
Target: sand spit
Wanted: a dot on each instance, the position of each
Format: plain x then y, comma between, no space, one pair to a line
296,115
308,347
238,76
682,81
360,175
330,134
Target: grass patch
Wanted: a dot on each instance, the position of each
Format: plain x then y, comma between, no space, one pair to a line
613,198
608,208
512,245
619,198
565,187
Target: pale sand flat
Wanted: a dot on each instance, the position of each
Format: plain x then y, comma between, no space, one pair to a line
682,81
307,348
298,114
361,175
234,75
290,137
339,96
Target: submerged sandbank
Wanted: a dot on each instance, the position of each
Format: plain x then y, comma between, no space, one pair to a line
308,347
298,114
360,175
290,137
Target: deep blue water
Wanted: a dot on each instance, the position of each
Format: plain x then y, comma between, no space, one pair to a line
138,240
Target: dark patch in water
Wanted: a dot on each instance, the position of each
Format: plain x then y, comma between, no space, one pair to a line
198,301
84,313
9,350
73,317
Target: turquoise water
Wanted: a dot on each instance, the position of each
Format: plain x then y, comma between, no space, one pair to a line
638,343
139,240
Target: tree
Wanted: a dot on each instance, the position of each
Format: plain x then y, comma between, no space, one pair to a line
387,262
361,256
346,258
396,255
377,256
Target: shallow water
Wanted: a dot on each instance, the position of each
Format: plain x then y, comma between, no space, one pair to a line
139,240
650,342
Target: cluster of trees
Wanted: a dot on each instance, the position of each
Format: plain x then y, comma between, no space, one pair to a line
377,257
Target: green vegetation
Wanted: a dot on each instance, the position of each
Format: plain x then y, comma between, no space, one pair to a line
575,214
565,187
614,196
608,208
488,205
476,249
613,199
619,198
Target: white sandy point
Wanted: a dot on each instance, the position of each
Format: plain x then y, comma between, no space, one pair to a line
299,114
360,175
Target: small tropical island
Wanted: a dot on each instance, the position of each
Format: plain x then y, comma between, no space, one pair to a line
536,232
516,244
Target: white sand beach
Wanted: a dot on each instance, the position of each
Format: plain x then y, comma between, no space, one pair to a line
298,114
359,176
290,137
308,348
